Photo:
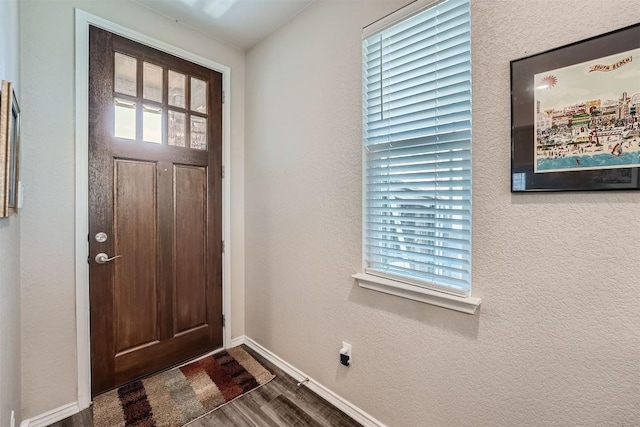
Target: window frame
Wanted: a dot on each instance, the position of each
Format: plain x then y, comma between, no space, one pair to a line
391,285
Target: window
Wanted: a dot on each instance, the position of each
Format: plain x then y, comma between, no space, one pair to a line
143,113
417,148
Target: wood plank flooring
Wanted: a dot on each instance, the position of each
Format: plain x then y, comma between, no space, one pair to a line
280,403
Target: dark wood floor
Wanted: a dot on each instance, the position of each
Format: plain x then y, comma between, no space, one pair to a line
280,403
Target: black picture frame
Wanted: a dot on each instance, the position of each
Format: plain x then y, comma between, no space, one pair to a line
523,70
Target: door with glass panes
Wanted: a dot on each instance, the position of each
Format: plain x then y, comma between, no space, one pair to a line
155,210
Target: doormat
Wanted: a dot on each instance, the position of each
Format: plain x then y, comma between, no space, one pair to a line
174,398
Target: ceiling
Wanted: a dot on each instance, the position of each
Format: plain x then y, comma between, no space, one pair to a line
240,23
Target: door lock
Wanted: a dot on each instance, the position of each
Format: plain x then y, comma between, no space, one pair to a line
101,237
103,258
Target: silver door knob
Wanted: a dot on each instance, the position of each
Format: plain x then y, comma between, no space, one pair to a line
103,258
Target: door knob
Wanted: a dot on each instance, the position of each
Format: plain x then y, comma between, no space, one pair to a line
103,258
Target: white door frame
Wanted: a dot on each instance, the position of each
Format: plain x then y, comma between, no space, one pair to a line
83,20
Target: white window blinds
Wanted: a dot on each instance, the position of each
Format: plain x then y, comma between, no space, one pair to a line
417,144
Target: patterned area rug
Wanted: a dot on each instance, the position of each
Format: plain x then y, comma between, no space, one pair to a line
175,397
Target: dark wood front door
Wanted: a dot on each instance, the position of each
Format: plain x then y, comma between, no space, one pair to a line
155,194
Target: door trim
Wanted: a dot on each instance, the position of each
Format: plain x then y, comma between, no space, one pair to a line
83,343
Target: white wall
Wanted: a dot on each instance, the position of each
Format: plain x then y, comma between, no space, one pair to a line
557,339
48,275
9,241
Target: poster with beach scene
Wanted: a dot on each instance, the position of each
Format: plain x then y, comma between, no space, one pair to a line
587,115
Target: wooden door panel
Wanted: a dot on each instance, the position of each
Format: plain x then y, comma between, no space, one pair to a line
151,358
191,246
135,237
161,207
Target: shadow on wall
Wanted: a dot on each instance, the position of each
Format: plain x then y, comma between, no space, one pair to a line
466,325
585,198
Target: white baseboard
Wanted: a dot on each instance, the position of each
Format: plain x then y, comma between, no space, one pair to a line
53,416
237,341
339,402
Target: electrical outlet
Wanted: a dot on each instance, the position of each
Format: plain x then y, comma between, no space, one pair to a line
345,354
13,419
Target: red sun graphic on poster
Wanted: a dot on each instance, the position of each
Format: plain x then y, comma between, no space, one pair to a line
549,81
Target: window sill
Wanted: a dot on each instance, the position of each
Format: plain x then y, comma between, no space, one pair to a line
465,305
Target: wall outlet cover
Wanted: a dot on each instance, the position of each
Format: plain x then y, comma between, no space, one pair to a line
346,348
345,354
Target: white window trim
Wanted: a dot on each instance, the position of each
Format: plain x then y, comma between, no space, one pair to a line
416,293
397,288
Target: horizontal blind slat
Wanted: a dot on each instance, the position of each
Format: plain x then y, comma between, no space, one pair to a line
420,254
439,138
453,228
423,68
463,220
461,166
430,99
424,261
409,27
456,111
428,175
449,188
422,279
426,272
454,252
395,55
452,160
434,83
424,239
420,230
404,229
434,273
434,129
446,271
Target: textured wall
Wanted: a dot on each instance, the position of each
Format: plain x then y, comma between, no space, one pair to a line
9,242
557,340
48,275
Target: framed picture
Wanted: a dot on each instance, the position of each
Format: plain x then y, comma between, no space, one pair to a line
9,150
575,116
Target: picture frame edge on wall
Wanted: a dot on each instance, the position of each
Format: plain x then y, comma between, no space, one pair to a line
9,150
524,140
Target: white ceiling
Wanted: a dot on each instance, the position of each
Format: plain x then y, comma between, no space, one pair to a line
240,23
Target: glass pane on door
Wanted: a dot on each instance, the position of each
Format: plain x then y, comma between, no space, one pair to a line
124,119
152,124
177,128
125,69
198,133
177,85
152,82
198,95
